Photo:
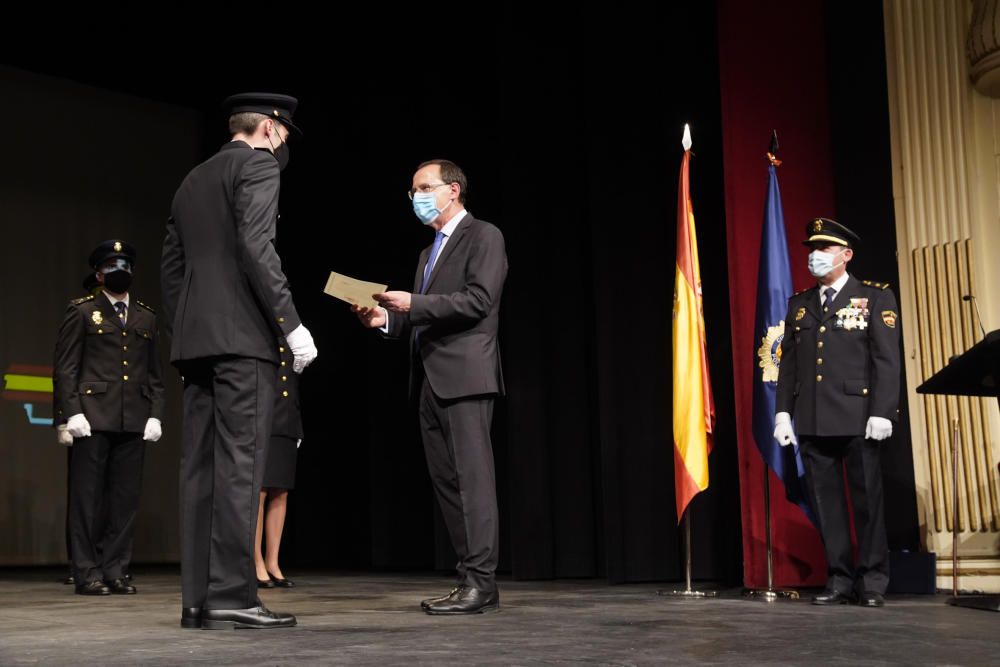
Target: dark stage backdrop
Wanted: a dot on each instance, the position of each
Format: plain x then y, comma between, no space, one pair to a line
571,141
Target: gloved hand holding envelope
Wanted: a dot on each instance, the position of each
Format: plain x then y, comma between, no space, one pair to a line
356,292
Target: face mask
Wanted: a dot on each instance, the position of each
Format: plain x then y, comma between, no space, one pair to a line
821,263
281,153
118,281
425,207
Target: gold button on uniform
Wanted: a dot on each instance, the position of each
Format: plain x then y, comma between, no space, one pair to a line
819,362
124,348
864,391
282,363
281,349
284,378
90,391
125,377
819,344
819,378
100,331
822,329
285,394
124,363
124,333
281,320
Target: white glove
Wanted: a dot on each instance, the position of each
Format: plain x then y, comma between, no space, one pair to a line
298,442
303,349
783,431
878,428
63,435
78,426
153,430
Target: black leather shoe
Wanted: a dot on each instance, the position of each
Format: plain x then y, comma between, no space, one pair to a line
871,599
265,583
281,583
466,600
69,581
191,617
121,587
424,604
831,597
93,588
255,618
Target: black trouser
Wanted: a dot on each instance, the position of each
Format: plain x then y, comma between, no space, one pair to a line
825,460
228,403
106,475
456,437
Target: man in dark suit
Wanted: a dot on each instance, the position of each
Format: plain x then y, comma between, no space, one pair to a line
450,320
109,394
839,380
227,301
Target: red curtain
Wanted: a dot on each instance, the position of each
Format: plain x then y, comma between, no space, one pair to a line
773,76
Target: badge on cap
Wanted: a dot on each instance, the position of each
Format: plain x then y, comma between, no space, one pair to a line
889,318
118,246
97,318
817,225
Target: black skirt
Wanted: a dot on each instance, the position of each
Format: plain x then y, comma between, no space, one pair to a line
279,473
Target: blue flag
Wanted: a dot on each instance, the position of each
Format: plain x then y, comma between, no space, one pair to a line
774,288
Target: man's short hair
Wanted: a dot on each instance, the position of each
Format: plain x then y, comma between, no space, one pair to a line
450,173
245,122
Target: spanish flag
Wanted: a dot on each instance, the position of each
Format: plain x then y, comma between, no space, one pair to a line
694,412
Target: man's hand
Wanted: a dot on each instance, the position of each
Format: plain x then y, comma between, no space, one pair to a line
397,302
153,430
878,428
64,436
373,318
303,349
783,431
78,426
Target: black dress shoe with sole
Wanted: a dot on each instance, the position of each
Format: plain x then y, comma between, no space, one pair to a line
424,604
265,583
871,599
93,588
255,618
466,600
191,617
832,597
121,587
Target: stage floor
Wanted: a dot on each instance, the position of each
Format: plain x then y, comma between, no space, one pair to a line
375,619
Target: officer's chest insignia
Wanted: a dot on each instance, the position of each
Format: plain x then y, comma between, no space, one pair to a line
96,317
889,318
799,314
853,316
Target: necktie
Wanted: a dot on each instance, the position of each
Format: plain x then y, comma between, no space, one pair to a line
120,307
435,249
828,301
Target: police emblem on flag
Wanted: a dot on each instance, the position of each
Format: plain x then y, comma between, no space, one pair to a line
769,352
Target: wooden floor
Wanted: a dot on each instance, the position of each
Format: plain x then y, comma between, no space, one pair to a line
375,619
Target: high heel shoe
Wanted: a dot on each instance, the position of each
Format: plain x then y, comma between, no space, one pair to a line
265,583
281,583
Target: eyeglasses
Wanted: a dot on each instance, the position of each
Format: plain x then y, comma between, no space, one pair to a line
424,188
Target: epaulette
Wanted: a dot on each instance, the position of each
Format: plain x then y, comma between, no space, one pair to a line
145,306
82,299
872,283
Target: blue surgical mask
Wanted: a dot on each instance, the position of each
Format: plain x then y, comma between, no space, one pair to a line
821,263
425,207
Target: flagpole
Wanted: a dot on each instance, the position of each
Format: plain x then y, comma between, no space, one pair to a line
683,504
770,594
688,591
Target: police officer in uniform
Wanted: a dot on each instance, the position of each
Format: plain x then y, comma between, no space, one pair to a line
839,382
228,301
109,394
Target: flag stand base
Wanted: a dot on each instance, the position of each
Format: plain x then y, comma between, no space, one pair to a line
771,594
690,594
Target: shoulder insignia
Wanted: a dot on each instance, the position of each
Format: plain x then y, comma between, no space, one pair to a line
145,306
82,299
